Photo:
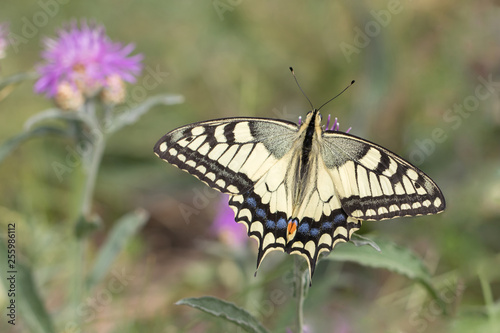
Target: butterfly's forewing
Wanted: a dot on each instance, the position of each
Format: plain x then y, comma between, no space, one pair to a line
230,154
374,183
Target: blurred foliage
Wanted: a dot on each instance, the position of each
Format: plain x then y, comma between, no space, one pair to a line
417,76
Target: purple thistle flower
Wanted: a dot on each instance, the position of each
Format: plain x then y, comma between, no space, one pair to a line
4,31
226,228
85,58
328,121
335,126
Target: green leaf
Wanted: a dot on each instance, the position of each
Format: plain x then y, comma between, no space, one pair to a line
27,300
124,228
17,78
392,257
130,116
225,310
53,114
8,146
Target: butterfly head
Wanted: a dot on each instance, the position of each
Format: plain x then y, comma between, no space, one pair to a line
318,117
313,117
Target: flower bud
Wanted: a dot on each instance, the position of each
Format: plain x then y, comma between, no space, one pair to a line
68,97
84,82
114,90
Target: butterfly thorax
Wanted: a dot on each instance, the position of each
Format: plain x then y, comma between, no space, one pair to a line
308,140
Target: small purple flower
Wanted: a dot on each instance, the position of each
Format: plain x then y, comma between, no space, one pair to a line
335,126
85,58
226,228
4,31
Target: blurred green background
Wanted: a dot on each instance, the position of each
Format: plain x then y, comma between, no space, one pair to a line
420,68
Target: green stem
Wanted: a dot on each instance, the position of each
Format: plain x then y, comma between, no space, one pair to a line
91,165
17,78
487,294
98,144
300,291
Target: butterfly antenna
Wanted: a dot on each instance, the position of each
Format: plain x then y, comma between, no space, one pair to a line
298,85
340,93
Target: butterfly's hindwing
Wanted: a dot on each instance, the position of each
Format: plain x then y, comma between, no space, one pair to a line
309,208
269,229
312,236
374,183
315,236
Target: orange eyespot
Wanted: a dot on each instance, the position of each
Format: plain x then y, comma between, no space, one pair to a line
292,227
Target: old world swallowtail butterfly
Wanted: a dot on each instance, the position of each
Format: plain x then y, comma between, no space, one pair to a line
299,188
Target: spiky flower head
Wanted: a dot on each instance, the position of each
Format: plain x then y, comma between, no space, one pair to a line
335,125
85,58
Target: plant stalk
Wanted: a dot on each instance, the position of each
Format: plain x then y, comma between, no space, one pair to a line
98,144
91,164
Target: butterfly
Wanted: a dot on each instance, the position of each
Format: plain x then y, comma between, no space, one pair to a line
299,188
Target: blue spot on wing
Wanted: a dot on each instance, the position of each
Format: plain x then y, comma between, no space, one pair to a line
281,223
304,228
339,218
314,232
251,202
326,225
260,212
270,224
